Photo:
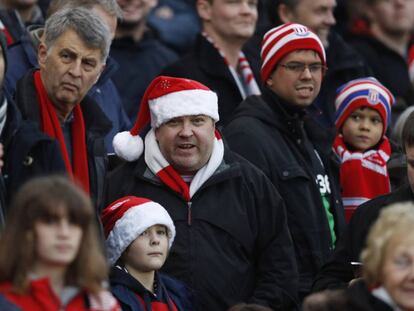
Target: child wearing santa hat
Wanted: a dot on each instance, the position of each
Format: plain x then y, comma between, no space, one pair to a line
362,117
139,234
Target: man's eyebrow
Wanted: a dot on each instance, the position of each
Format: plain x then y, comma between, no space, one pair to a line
69,51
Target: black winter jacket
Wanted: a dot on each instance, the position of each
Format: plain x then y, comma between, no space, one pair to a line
338,271
97,126
27,152
206,65
126,289
263,133
232,240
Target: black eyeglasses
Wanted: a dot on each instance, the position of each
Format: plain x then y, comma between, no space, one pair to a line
299,68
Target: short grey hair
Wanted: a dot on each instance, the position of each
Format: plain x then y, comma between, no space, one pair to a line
111,7
91,29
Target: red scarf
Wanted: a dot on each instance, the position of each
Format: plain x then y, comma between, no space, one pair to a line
363,175
170,177
51,126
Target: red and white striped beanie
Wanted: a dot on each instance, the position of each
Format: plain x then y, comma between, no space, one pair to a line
363,92
286,38
164,99
126,218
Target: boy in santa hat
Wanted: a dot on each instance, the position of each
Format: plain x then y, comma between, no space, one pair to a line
139,234
362,116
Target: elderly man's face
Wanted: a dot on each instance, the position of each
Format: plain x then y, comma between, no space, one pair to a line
69,69
186,142
297,87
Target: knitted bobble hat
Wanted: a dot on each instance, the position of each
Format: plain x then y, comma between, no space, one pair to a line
363,92
286,38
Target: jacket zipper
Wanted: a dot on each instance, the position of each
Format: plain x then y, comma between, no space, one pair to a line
189,213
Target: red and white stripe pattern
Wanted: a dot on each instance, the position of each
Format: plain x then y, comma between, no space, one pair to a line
284,39
169,176
363,92
363,175
247,85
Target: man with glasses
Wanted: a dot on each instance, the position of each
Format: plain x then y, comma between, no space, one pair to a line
274,132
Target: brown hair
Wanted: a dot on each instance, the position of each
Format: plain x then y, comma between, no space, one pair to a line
45,199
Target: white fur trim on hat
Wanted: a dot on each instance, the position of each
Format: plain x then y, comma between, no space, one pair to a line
127,146
183,103
135,221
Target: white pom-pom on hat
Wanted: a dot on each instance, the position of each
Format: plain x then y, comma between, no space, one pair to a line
127,146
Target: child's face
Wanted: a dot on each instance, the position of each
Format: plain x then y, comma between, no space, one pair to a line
149,251
57,241
363,129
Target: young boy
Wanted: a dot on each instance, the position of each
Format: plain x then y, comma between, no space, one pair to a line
362,116
139,234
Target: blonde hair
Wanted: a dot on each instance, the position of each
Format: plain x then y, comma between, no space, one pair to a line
394,220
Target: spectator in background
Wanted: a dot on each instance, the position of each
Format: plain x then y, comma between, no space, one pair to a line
11,25
343,63
385,47
362,118
217,59
139,234
274,132
387,268
71,58
177,23
232,241
27,151
50,257
28,10
339,270
139,53
23,56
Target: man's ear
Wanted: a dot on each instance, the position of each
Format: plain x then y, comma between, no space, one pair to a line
204,9
42,54
285,13
269,82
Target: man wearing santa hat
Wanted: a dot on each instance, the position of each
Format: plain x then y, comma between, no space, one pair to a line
274,133
232,243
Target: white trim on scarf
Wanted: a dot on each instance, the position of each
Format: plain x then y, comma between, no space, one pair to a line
156,161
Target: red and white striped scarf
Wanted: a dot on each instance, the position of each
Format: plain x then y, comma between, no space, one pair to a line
363,175
243,75
170,177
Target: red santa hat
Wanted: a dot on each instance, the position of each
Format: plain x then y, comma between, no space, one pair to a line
165,98
286,38
363,92
126,218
